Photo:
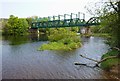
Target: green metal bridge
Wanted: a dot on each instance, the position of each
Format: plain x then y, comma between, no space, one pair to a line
65,20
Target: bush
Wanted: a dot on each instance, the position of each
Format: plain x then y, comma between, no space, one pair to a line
61,33
62,39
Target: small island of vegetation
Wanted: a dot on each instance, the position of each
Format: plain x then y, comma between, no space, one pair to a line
62,39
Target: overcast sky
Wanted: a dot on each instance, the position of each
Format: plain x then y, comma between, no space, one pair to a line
42,8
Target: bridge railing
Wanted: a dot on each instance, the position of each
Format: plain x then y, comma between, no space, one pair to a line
71,21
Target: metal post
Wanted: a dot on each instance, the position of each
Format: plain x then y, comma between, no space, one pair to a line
64,16
48,18
71,16
53,17
58,17
38,31
83,16
78,14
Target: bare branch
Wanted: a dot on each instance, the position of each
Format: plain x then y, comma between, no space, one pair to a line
116,48
107,58
113,6
89,58
98,62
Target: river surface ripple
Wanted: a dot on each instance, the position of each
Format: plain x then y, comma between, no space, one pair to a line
24,61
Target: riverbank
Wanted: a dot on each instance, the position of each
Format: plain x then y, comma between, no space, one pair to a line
111,65
108,64
105,35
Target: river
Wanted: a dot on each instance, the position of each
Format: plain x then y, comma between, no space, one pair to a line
22,60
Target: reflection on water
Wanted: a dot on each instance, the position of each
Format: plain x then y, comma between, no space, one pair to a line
22,60
17,40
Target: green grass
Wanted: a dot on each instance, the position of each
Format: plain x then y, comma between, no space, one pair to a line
107,65
101,35
86,35
110,53
59,46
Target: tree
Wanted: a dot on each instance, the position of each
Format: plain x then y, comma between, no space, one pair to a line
16,26
29,20
111,21
109,12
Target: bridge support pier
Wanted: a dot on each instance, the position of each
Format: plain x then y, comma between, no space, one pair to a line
85,31
35,31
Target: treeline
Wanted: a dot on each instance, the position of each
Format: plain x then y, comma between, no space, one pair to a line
18,26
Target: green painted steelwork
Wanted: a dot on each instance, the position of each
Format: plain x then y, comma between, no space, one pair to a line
67,21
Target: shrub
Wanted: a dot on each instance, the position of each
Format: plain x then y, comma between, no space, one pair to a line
62,39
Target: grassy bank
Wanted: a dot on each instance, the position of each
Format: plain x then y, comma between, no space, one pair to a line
105,35
108,64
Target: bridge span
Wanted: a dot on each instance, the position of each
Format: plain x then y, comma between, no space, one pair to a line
66,20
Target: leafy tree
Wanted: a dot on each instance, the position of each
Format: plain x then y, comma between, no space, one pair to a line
109,12
3,23
29,20
23,25
111,21
16,26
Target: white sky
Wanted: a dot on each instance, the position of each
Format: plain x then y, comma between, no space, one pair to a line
42,8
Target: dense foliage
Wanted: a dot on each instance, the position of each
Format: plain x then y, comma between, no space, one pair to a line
29,20
16,26
111,21
109,12
61,39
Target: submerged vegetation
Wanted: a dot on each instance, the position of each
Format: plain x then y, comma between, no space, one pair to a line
62,39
